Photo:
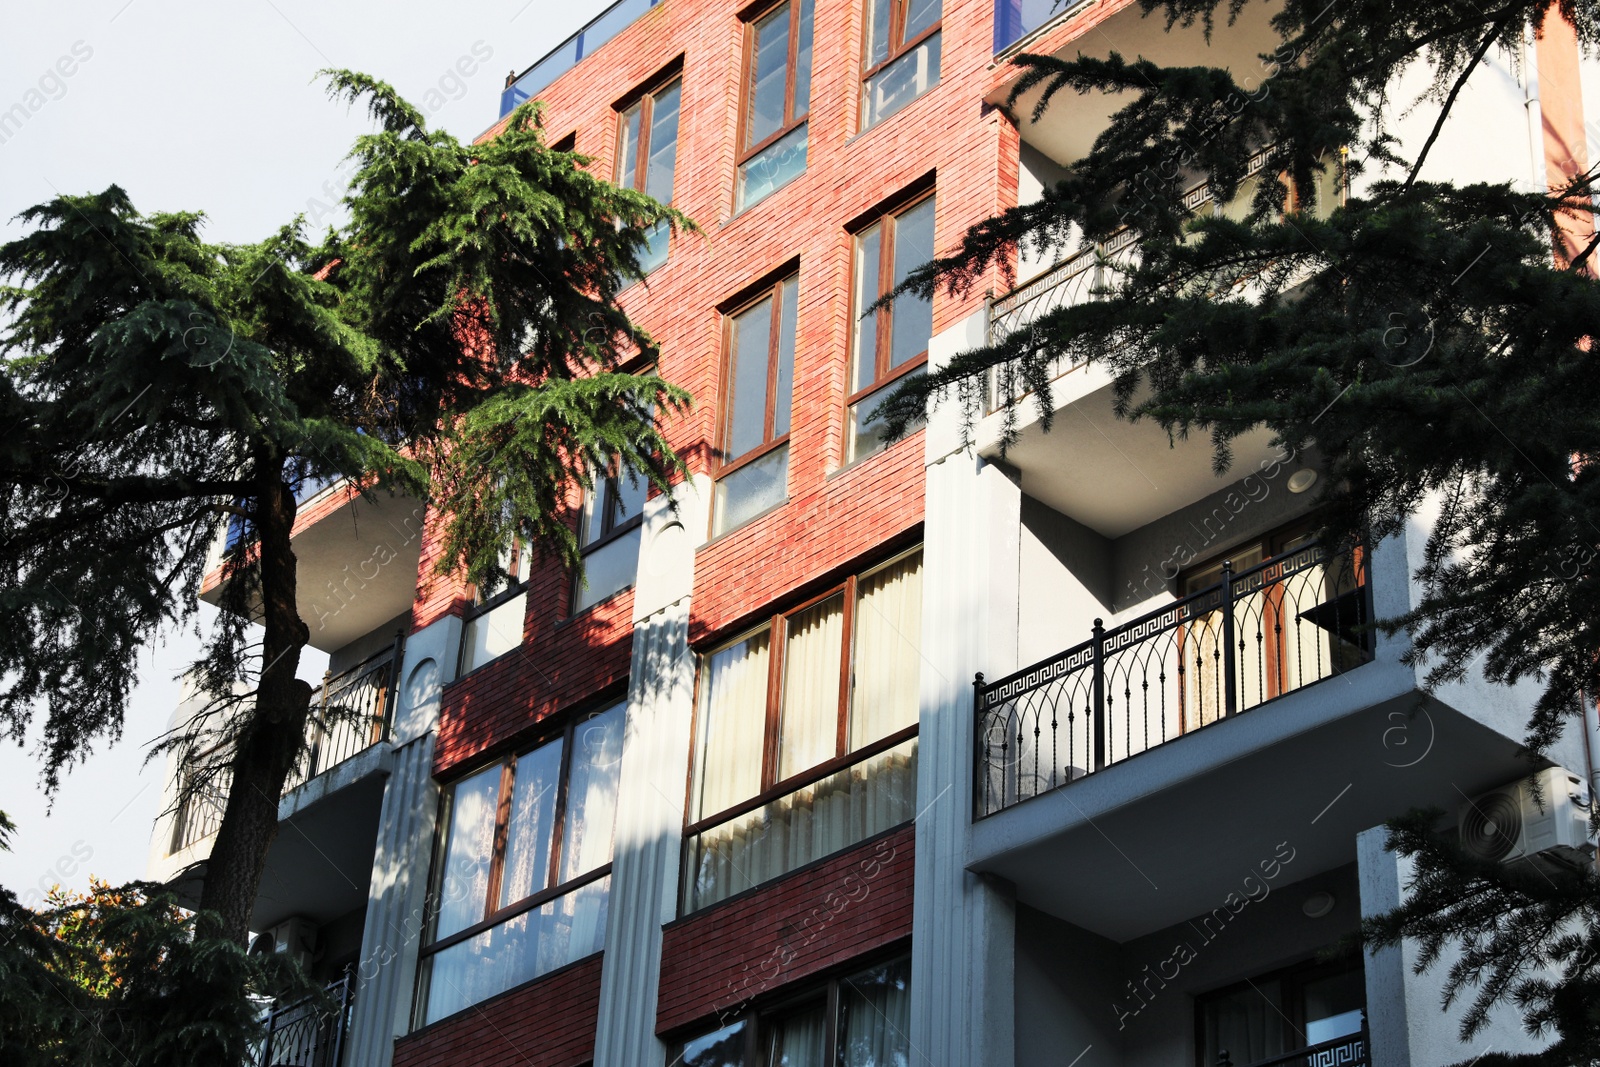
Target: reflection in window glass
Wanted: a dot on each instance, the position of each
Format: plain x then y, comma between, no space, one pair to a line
777,98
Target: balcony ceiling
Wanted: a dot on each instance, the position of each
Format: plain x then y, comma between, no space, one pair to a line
1110,474
356,567
1069,126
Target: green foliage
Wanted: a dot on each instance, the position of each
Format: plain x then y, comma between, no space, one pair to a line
122,976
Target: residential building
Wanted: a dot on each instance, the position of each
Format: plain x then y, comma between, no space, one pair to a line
739,799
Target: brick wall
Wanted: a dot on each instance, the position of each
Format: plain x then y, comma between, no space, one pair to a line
814,919
547,1023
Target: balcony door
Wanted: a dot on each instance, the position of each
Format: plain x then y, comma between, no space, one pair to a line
1295,1010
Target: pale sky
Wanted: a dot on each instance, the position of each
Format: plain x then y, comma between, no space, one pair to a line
210,107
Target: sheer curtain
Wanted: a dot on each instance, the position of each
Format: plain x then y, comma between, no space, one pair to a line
888,654
532,824
799,1039
591,815
464,881
732,726
812,657
875,1017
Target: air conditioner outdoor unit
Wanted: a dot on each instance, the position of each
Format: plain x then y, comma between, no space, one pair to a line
295,937
1507,824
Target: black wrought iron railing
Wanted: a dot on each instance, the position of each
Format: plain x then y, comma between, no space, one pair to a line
1254,636
309,1033
202,798
354,711
1352,1050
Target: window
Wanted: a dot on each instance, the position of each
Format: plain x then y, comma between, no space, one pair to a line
494,625
777,99
613,521
1307,1008
523,867
805,740
902,56
647,155
758,387
891,342
860,1020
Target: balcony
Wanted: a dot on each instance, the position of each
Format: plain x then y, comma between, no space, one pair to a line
303,1033
1353,1050
1290,622
604,26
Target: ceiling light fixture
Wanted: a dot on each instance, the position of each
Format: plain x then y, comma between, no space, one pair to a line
1302,479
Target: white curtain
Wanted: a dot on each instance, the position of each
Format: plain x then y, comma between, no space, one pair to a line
532,824
464,880
888,652
799,1039
732,726
875,1017
808,824
812,656
591,815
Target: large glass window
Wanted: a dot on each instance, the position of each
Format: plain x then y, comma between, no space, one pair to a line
1312,1008
902,56
777,101
493,626
613,522
805,741
891,342
860,1020
523,867
758,388
647,156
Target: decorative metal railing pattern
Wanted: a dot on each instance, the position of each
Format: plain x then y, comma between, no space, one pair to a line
1293,620
1352,1050
352,712
1075,280
306,1033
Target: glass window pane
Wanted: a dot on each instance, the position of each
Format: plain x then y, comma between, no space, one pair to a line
464,878
799,1039
769,76
920,14
913,315
814,821
1249,1024
591,813
875,1016
868,249
534,790
732,727
752,489
772,168
720,1048
812,658
866,434
783,397
901,82
887,659
877,31
654,251
558,932
802,63
1333,1005
609,569
494,633
663,144
628,148
747,402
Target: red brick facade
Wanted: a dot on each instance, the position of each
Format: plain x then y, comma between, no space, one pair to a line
548,1023
816,918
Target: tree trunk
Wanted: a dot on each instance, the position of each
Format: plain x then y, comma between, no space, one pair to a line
269,743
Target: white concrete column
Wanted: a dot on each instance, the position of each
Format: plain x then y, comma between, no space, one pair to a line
655,758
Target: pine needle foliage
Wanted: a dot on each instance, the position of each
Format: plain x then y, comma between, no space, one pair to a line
458,340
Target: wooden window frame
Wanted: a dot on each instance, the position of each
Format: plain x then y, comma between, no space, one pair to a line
760,1015
627,525
747,74
771,786
494,916
520,554
645,100
897,46
887,222
724,464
